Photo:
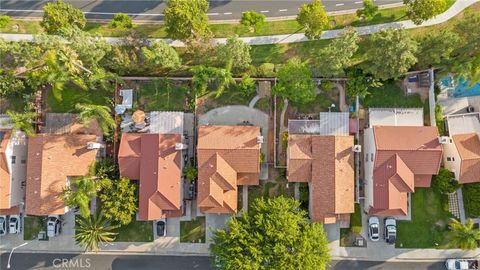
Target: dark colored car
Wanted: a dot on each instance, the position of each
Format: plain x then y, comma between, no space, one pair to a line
161,227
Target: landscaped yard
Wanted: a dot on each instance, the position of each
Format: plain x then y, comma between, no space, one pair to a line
429,225
72,96
32,225
471,199
390,95
162,95
136,231
348,236
193,231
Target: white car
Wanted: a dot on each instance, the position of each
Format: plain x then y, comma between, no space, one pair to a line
3,225
14,224
53,225
374,228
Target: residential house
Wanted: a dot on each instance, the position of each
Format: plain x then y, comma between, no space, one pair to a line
398,156
155,161
462,147
228,157
320,153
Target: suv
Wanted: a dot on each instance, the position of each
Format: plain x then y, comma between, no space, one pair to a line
390,230
374,228
3,225
161,227
53,225
14,224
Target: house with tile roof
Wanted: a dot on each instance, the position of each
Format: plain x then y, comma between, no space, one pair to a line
228,157
396,160
320,153
65,152
462,147
155,161
13,168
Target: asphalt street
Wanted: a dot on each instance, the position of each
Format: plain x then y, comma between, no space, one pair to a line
152,10
21,261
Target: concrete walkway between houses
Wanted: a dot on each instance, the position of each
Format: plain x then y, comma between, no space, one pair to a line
254,101
456,8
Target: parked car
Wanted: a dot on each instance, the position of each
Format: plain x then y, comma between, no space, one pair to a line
374,228
53,225
14,224
462,264
3,225
390,230
161,227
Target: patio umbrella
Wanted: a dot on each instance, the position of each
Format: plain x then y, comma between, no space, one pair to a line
138,117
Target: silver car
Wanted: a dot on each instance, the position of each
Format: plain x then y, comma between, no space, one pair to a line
14,224
3,225
374,228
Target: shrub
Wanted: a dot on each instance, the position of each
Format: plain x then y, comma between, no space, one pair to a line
327,85
444,182
285,140
439,120
4,20
122,21
253,20
471,198
266,70
247,86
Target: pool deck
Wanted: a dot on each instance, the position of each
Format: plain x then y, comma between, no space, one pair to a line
452,105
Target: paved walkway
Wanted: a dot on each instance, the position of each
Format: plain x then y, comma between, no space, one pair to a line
453,204
456,8
461,208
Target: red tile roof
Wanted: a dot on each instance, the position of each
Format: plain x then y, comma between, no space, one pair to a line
5,181
468,146
153,161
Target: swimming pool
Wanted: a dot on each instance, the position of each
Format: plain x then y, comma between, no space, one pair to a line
459,88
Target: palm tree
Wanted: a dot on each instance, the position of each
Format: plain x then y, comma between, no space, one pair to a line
463,236
92,230
22,121
80,192
101,113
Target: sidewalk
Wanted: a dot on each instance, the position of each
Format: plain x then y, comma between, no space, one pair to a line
456,8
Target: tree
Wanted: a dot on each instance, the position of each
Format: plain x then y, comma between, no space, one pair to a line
313,18
206,78
191,173
275,234
105,168
4,20
471,195
247,85
421,10
295,82
444,182
358,83
119,201
59,17
334,58
368,11
122,21
253,20
390,53
92,231
160,55
80,191
463,236
236,51
184,18
22,121
436,47
10,85
102,114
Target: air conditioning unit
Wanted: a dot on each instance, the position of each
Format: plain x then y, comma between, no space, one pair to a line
260,140
357,148
444,139
94,145
181,146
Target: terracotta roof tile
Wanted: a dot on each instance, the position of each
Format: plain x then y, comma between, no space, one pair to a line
468,146
5,196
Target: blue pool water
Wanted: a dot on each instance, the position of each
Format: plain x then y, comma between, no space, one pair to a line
461,87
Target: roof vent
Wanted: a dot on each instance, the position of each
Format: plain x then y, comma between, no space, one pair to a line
443,139
260,139
94,145
180,146
357,148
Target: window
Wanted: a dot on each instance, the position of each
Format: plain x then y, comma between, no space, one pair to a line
366,157
23,160
449,159
14,159
453,159
371,157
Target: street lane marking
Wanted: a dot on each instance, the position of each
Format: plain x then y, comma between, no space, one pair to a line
339,5
227,13
358,2
265,11
283,10
212,14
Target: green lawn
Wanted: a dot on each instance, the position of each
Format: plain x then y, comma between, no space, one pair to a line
471,199
32,225
161,95
72,96
429,225
390,96
136,231
193,231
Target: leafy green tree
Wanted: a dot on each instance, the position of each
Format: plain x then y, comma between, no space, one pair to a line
60,17
421,10
119,200
9,85
184,18
334,58
102,114
368,11
313,18
105,168
247,85
4,20
191,173
253,20
471,195
390,53
358,83
463,236
22,121
206,78
92,231
236,51
436,47
444,182
275,234
466,60
122,21
295,82
161,56
79,193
